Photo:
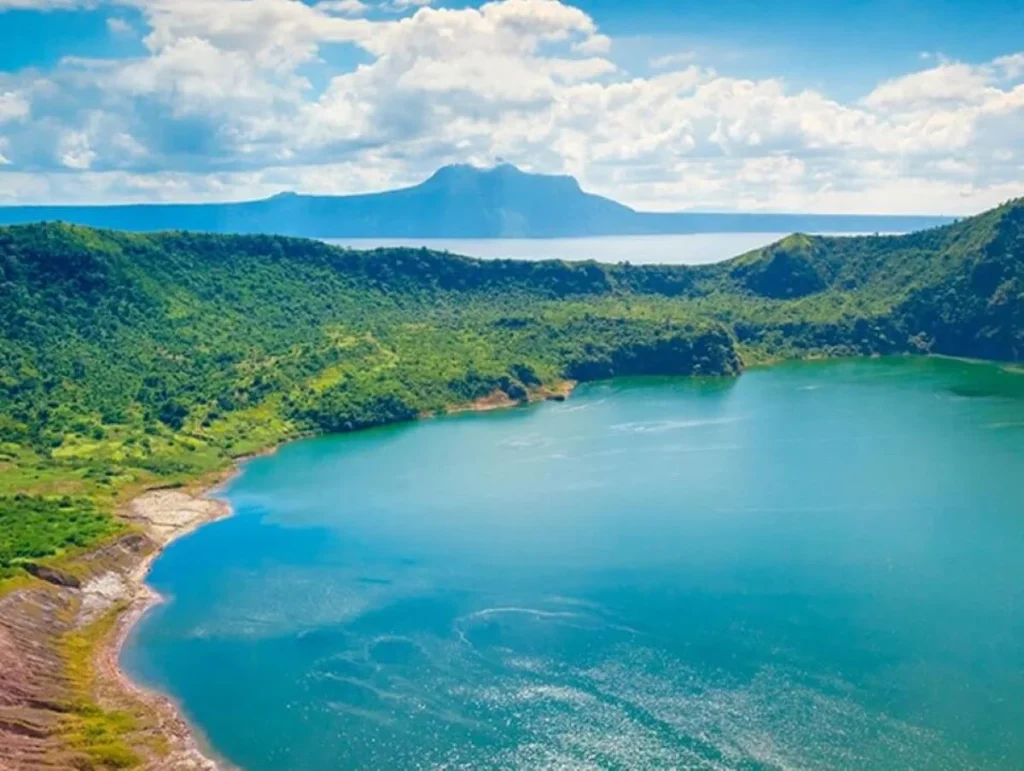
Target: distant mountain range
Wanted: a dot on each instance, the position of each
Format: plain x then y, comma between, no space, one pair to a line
456,202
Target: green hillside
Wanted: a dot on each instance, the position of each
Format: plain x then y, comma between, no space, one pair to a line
956,290
130,360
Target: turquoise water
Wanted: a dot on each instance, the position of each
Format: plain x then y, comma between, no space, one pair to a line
815,566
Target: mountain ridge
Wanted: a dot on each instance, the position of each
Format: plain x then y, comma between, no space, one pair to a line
456,201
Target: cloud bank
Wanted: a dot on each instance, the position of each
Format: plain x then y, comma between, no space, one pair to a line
223,105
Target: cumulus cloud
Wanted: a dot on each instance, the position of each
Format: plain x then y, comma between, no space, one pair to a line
220,107
13,106
949,83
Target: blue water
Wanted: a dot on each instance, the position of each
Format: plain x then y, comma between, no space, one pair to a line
813,566
686,249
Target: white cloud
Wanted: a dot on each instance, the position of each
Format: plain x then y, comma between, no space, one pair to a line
949,82
274,34
678,59
119,26
1012,66
13,106
220,98
595,44
344,7
42,5
74,151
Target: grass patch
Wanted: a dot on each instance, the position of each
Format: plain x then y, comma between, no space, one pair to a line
36,527
98,734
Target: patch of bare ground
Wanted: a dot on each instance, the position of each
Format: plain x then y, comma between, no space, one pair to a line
500,400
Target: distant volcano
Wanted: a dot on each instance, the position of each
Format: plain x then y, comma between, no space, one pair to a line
455,202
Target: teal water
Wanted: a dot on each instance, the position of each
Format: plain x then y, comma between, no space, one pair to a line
815,566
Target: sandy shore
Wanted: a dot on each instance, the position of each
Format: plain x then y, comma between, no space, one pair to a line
166,515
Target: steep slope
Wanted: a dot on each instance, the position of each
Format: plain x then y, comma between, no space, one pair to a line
954,290
976,308
456,202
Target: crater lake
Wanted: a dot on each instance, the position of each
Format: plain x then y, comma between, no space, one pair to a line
814,565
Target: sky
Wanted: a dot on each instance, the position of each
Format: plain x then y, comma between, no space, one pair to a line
866,106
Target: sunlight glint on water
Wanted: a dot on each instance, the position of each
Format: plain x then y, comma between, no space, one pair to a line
814,566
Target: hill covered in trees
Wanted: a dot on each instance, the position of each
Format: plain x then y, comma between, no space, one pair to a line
455,202
128,360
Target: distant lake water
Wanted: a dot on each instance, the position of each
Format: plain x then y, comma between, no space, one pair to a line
814,566
694,249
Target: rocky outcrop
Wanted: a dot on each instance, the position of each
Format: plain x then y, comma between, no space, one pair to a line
52,575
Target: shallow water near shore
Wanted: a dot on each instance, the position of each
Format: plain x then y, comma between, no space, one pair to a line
816,565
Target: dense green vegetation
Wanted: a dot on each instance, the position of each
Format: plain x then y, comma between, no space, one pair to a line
32,527
129,359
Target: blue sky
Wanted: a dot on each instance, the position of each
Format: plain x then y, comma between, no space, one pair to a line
891,105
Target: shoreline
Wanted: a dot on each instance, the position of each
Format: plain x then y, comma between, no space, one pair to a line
167,520
196,507
67,703
189,748
161,516
499,400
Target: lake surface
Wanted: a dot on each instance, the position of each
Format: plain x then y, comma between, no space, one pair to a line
814,566
691,249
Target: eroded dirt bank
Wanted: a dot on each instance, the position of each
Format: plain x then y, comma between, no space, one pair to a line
64,702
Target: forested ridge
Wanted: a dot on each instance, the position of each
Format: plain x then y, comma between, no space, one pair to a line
129,360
